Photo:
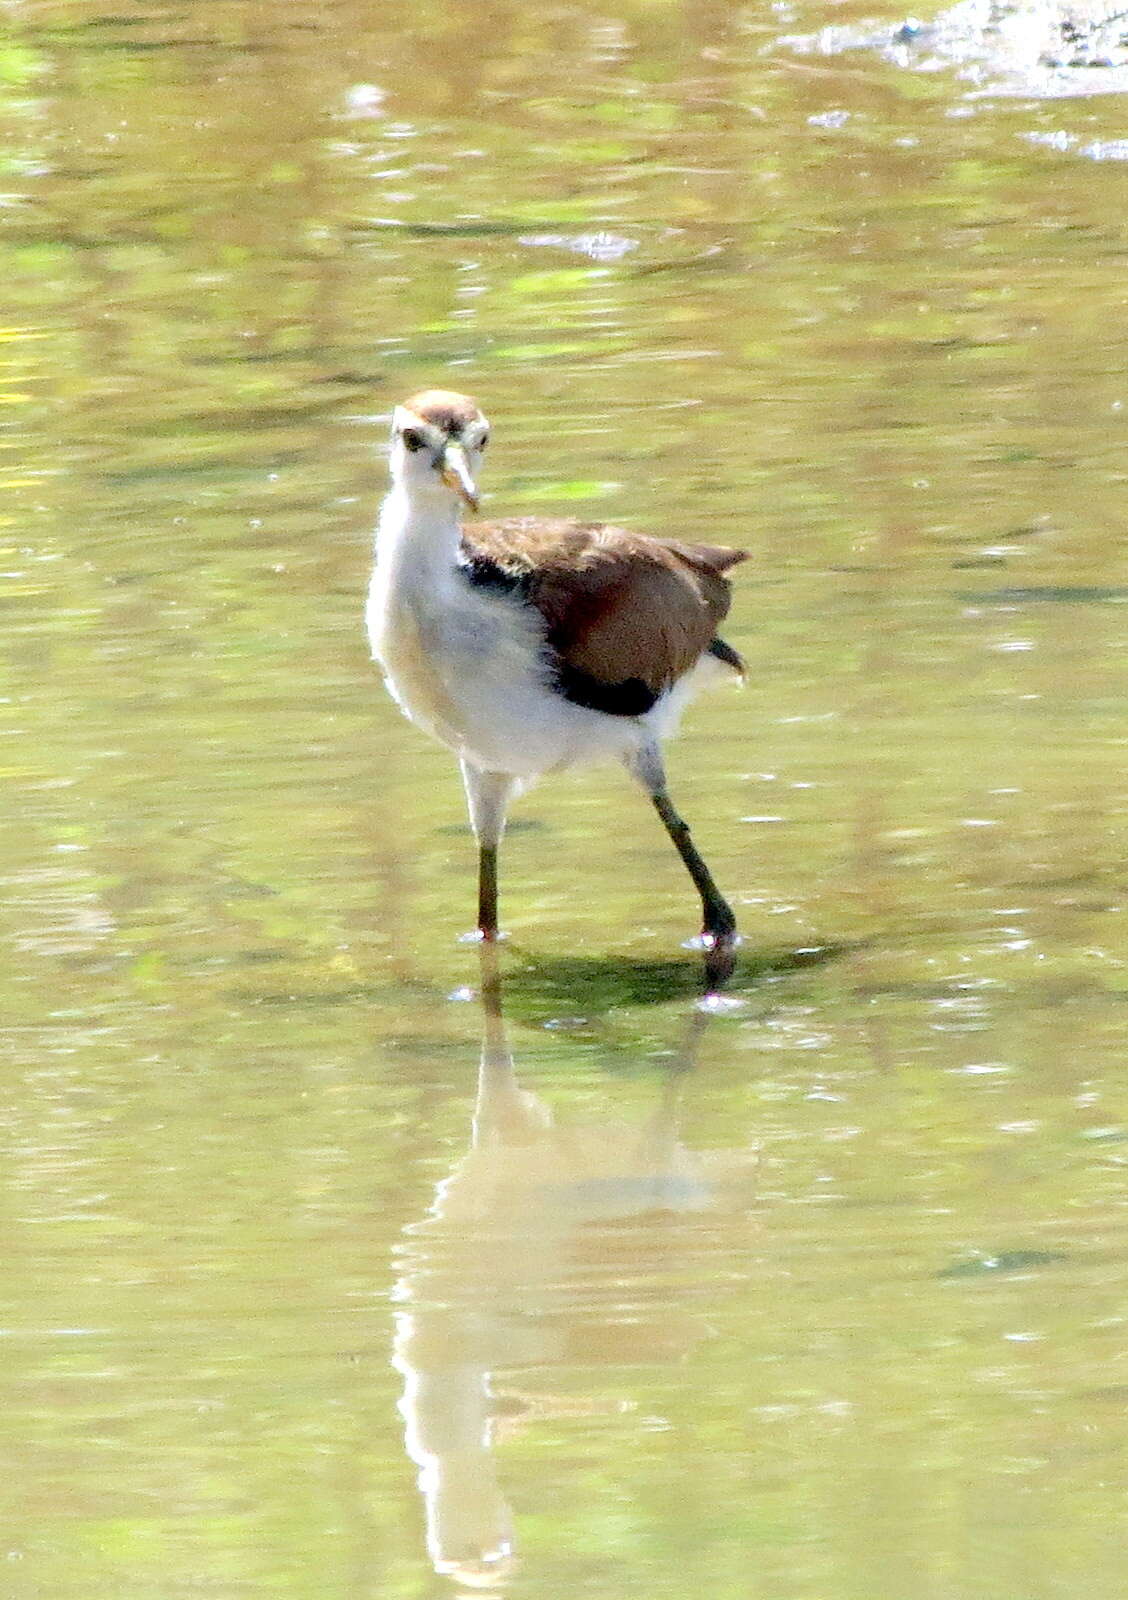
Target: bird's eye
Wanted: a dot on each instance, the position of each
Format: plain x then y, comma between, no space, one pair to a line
483,441
412,439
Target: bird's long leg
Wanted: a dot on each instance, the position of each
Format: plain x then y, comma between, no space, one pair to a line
718,921
487,891
487,795
718,918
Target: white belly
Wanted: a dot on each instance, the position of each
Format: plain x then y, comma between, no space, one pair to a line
469,668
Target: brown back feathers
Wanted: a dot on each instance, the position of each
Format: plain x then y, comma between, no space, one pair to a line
617,606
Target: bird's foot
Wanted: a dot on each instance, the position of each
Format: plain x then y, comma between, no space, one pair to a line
719,940
719,949
483,936
720,959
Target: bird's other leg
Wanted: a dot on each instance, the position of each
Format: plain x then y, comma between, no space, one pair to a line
718,921
487,795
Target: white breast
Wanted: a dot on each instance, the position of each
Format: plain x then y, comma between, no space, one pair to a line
453,658
469,666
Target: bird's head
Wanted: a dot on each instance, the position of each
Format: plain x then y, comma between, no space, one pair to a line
437,442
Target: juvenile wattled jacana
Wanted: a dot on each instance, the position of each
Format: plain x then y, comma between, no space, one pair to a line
535,643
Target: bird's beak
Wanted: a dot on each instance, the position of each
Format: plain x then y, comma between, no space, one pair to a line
455,473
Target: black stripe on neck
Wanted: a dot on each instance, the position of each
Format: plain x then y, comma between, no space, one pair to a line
481,572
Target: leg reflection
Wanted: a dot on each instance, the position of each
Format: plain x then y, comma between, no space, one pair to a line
523,1262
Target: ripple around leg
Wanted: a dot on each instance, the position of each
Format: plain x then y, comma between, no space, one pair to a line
721,1005
709,941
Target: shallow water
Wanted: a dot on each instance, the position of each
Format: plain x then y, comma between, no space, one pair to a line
821,1297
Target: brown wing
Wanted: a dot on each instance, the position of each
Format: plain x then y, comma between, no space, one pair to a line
619,607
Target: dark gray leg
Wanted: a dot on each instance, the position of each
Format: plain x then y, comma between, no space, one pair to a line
487,891
487,795
717,915
718,921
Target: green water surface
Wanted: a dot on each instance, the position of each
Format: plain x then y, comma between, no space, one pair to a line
824,1297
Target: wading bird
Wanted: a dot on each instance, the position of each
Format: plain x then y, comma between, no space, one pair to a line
535,643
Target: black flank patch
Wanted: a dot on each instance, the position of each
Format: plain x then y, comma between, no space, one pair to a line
631,698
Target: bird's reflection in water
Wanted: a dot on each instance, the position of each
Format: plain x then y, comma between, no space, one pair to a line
575,1245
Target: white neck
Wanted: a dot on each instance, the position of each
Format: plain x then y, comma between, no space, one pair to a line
417,533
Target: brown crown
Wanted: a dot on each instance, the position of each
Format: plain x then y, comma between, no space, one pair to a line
444,409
